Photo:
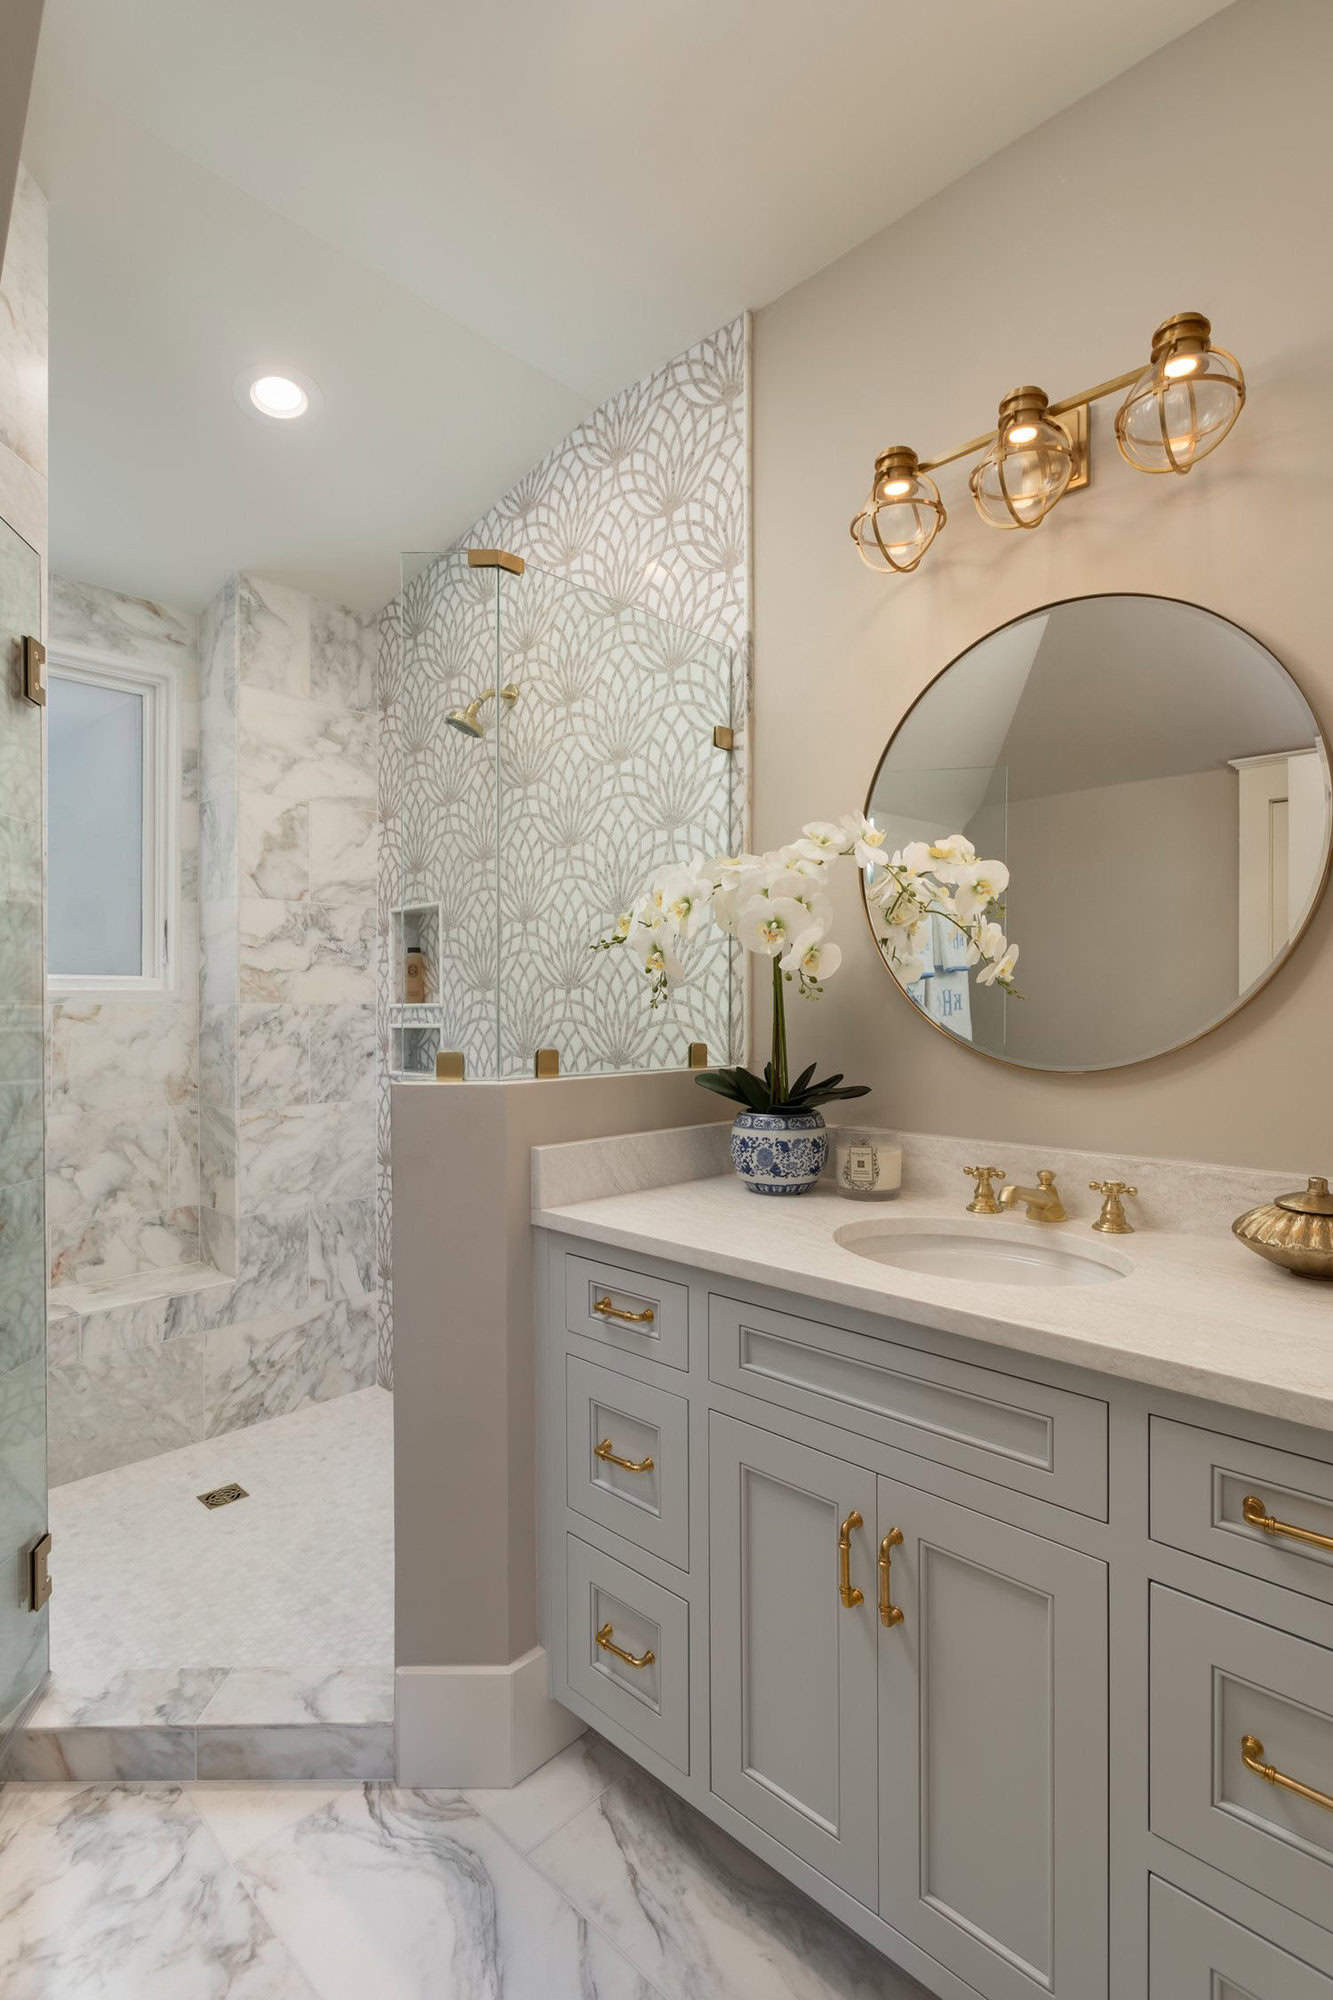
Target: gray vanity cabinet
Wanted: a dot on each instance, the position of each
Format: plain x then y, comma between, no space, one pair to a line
992,1748
986,1654
793,1656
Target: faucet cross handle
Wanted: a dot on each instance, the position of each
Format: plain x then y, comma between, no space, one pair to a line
984,1202
1112,1220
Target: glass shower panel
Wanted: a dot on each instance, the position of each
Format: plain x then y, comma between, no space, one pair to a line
608,770
440,795
23,1635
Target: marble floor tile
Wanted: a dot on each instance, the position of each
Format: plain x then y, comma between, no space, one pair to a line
242,1816
414,1896
296,1576
120,1894
700,1916
526,1814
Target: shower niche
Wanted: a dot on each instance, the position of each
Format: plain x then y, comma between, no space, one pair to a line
416,1012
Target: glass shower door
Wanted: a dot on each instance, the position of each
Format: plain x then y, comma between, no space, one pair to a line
439,792
23,1633
609,769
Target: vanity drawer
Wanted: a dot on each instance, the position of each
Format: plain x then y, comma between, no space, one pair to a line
1200,1481
1221,1683
1021,1434
629,1310
627,1458
1196,1954
611,1605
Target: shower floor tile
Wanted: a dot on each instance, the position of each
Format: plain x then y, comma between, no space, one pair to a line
293,1585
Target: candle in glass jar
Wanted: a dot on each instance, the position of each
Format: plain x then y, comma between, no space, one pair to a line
867,1165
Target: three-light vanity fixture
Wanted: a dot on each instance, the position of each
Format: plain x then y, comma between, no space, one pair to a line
1178,409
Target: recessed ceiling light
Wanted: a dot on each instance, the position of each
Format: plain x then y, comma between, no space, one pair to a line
278,396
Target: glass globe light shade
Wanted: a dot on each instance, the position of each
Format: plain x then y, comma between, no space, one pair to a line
1185,401
1027,469
902,516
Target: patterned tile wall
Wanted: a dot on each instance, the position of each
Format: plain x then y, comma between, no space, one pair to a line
623,636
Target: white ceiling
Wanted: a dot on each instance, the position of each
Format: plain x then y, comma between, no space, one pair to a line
468,225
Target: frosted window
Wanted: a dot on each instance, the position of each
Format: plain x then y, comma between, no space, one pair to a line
95,828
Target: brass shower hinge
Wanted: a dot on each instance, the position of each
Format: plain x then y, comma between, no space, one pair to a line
546,1062
724,737
496,559
34,670
450,1066
698,1055
39,1573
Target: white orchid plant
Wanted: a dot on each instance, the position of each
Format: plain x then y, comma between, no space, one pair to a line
776,905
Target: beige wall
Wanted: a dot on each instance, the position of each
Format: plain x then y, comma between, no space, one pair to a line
1104,975
465,1555
1199,180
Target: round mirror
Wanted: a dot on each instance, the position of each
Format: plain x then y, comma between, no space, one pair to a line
1158,788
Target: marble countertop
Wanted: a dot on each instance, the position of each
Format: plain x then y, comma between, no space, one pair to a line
1195,1313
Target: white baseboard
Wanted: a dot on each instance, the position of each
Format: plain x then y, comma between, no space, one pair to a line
477,1726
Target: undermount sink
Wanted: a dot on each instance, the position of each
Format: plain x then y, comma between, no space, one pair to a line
997,1252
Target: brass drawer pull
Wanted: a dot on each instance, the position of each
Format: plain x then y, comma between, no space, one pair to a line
609,1456
1252,1756
889,1612
1253,1510
608,1645
608,1311
847,1590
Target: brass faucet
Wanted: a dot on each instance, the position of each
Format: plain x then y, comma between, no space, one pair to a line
984,1202
1112,1221
1042,1202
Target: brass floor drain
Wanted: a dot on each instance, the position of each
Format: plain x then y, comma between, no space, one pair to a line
222,1496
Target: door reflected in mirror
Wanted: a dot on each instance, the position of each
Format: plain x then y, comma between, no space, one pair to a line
1158,786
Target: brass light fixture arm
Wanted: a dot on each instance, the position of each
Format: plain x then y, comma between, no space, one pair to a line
1060,409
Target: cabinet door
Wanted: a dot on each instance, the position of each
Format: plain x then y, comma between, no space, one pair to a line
993,1750
793,1666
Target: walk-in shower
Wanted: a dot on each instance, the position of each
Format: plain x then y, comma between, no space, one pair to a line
514,834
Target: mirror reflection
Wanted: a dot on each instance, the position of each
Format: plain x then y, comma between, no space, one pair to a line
1158,787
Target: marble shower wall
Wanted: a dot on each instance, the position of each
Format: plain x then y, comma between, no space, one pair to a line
122,1080
623,635
280,1309
288,1004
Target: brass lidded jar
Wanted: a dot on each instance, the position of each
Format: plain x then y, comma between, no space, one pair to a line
1294,1230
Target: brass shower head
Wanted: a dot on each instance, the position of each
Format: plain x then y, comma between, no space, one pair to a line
468,720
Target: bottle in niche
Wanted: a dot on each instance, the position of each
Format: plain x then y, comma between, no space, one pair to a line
414,978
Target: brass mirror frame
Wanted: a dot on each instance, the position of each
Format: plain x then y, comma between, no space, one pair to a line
1132,1062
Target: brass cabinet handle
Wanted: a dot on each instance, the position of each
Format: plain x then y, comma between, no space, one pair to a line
608,1645
608,1311
1253,1510
1252,1756
889,1612
847,1590
609,1456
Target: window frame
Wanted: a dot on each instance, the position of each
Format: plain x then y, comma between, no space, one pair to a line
156,685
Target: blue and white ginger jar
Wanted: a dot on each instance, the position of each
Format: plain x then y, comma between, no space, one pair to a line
779,1152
